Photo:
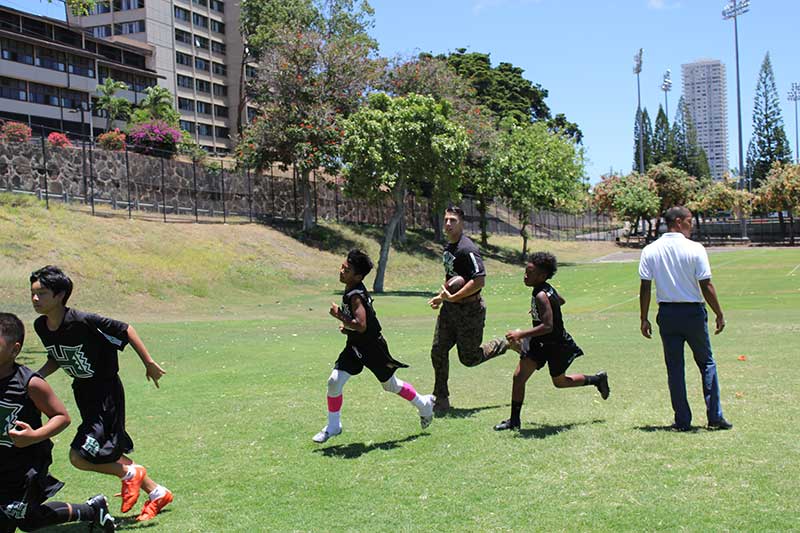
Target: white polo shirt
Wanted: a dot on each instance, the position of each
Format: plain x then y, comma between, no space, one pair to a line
676,264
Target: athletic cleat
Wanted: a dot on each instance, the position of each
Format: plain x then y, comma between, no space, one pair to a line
426,413
153,507
495,347
324,435
720,424
507,424
102,518
602,385
131,487
441,405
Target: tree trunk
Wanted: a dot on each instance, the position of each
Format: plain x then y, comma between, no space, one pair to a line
399,194
400,232
791,228
436,219
242,96
484,222
635,227
523,221
783,225
308,201
699,227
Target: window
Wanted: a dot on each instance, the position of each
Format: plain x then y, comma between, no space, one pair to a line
200,42
127,28
44,94
252,113
81,66
73,99
134,60
65,36
36,27
250,72
183,37
205,129
126,5
199,20
221,111
109,52
99,8
200,2
217,26
220,69
218,6
187,125
203,86
13,89
217,47
17,51
49,58
184,104
201,64
186,82
183,59
220,90
99,31
223,132
204,108
182,14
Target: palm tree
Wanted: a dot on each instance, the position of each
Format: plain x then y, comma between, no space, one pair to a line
115,107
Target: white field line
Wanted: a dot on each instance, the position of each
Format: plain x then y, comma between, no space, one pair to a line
617,305
793,270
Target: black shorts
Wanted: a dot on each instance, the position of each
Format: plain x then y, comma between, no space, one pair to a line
373,355
101,438
23,490
558,355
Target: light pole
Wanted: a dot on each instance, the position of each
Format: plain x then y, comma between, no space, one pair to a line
794,96
666,86
637,69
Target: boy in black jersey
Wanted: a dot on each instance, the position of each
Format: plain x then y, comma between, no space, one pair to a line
85,346
365,347
547,342
25,446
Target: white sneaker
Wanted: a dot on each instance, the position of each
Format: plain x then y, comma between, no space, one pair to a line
324,435
426,413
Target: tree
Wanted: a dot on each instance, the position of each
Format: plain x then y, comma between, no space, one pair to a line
536,168
390,144
769,142
687,153
114,107
780,191
673,186
644,137
662,139
156,105
636,198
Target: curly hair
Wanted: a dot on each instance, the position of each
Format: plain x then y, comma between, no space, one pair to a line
359,262
546,261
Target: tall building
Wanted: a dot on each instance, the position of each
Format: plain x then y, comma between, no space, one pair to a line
197,49
49,73
704,91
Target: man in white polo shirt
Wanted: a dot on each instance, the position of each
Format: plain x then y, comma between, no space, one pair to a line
682,274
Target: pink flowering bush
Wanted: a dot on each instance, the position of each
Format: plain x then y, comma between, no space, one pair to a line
112,140
154,138
58,140
14,132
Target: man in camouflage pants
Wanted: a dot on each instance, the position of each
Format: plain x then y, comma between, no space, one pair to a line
463,313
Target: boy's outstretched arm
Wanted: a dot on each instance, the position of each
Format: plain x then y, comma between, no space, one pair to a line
152,370
48,403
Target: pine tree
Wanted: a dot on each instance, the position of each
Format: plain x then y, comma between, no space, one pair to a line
646,138
687,153
769,143
662,139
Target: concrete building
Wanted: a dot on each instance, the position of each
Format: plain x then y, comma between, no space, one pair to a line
196,47
704,91
49,72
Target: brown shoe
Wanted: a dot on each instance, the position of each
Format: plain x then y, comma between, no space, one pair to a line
441,405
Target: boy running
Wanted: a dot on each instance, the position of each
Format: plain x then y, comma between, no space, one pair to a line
85,345
546,342
365,347
25,446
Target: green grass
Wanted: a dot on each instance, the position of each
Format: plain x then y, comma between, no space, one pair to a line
230,429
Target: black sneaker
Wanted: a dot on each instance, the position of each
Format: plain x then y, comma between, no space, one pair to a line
678,427
602,385
720,424
441,405
507,424
102,518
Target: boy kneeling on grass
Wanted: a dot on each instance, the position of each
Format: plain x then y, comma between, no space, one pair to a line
547,342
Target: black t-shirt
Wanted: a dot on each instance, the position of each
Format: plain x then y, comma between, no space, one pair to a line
558,332
373,326
16,404
85,345
462,258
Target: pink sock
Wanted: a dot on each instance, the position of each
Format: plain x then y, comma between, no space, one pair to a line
335,404
407,392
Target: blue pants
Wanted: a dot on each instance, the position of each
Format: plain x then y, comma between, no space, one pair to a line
680,323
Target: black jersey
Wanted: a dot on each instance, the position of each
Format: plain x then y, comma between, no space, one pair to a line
85,345
462,258
558,333
16,405
373,326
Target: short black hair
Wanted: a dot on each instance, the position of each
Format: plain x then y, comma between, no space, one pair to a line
11,328
359,262
53,278
456,211
672,214
546,261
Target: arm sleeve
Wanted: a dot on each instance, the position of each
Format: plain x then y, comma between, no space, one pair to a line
472,264
645,272
702,269
114,331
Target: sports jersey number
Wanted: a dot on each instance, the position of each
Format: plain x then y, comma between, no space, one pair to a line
8,416
72,360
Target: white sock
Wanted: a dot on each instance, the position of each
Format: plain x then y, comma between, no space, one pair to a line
418,402
334,421
129,471
157,492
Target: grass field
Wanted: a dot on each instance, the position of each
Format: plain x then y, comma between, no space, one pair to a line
238,317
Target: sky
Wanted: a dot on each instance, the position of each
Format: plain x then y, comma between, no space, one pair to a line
582,51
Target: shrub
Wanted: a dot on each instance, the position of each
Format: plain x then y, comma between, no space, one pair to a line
154,138
112,140
58,140
14,132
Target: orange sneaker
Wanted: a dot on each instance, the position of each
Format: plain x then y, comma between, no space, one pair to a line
153,507
130,488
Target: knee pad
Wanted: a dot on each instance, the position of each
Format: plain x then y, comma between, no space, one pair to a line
336,382
392,385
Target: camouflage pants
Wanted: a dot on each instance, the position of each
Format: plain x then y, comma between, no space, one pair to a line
460,325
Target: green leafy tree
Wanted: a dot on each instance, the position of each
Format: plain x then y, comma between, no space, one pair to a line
769,144
536,168
114,106
662,139
156,105
673,186
636,198
644,137
780,191
391,145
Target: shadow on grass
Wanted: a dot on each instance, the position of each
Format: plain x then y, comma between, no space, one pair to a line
652,429
123,523
460,412
547,430
357,449
426,294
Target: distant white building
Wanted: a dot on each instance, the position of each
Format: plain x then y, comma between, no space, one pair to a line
704,91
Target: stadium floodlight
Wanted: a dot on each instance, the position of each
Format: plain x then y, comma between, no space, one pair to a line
637,69
666,86
794,96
